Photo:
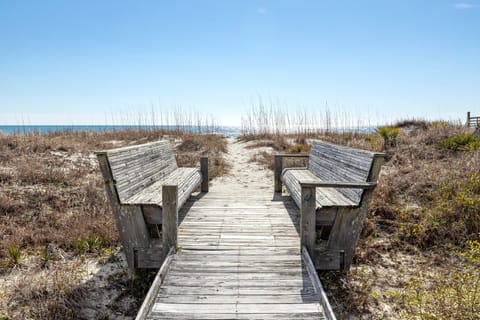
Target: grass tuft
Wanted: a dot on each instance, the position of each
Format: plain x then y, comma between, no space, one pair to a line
14,256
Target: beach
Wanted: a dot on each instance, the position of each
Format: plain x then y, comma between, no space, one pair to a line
70,263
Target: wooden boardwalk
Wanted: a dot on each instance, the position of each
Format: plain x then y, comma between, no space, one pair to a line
238,257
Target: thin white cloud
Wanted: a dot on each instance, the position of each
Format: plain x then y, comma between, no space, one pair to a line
464,5
262,11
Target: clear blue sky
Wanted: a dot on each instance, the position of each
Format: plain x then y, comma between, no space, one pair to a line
81,61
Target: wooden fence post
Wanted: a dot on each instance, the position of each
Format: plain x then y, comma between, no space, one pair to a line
204,171
307,218
169,217
278,173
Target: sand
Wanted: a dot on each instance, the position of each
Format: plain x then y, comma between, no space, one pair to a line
244,173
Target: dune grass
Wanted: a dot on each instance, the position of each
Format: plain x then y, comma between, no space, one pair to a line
423,219
54,212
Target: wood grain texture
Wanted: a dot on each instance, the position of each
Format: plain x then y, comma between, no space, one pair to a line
204,171
238,257
344,179
169,217
134,177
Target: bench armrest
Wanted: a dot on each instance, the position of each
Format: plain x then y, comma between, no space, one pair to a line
339,184
278,167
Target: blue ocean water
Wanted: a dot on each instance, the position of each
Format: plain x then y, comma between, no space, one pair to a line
230,132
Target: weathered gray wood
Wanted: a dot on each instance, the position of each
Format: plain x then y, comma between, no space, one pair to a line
325,197
307,218
204,170
134,230
157,282
333,184
327,308
278,168
129,219
187,180
344,179
277,173
134,177
328,259
332,162
247,256
152,214
170,217
135,168
233,308
149,257
472,121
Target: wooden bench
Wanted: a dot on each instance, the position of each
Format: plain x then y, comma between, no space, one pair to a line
333,194
146,189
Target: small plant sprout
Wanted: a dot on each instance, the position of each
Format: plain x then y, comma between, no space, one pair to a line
14,256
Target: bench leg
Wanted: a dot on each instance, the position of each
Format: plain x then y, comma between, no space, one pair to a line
169,217
204,171
278,173
307,218
133,232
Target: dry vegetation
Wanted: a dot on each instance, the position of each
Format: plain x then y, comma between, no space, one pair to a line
55,222
419,255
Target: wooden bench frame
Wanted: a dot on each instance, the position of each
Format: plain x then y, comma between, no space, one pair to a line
346,222
136,220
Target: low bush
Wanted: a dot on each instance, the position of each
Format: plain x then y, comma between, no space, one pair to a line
452,295
452,218
462,142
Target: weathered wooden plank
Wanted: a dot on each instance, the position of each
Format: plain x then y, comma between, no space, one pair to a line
327,308
170,217
157,282
247,308
150,257
307,222
277,173
204,171
235,289
239,316
222,298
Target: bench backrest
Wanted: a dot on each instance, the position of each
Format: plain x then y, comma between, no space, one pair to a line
136,167
336,163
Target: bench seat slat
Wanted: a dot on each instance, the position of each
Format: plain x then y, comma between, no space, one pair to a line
187,180
326,197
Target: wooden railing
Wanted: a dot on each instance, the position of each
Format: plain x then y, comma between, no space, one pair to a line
472,122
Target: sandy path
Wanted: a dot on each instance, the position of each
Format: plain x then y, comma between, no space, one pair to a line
244,172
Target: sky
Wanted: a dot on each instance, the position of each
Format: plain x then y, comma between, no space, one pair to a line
81,62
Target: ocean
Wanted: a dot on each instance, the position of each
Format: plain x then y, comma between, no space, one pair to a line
229,132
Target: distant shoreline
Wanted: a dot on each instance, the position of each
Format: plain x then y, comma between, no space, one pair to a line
228,131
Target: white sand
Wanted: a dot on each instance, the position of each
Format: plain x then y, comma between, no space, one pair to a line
244,172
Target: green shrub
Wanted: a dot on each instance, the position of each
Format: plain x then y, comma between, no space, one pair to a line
453,217
463,142
89,244
452,295
389,135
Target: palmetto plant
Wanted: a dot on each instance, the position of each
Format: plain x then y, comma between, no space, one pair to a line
389,135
